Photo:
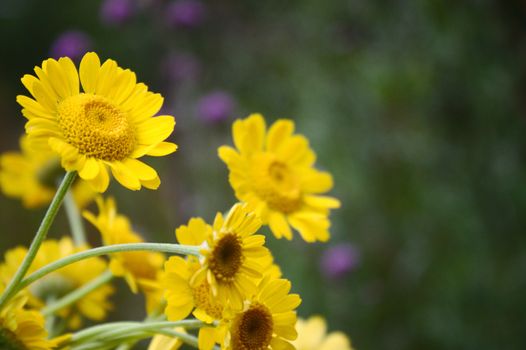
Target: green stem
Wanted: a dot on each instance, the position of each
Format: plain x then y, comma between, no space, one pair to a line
117,248
51,213
126,329
77,294
75,220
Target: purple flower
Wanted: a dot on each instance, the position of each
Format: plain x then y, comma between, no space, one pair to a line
339,260
185,13
116,12
179,67
72,44
215,106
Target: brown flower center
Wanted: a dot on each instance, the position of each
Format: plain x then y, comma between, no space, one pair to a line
252,330
226,258
96,127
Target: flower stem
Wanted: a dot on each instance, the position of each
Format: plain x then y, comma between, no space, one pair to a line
77,294
75,221
51,213
128,329
117,248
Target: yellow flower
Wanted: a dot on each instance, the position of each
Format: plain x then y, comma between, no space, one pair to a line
107,126
140,269
23,330
181,296
273,172
93,306
312,335
32,175
267,320
234,257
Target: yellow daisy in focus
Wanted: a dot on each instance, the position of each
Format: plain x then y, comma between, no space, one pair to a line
32,176
312,335
140,269
181,296
106,126
267,320
234,257
273,172
93,306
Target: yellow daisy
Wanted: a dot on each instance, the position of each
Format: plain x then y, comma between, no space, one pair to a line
141,270
273,172
267,320
181,296
23,330
234,257
312,335
32,176
93,306
107,126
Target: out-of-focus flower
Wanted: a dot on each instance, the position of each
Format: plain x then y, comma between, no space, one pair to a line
140,269
185,13
273,171
32,176
312,335
107,126
21,328
338,260
73,44
216,106
116,12
93,306
179,67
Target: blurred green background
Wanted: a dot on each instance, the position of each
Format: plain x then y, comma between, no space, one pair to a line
416,107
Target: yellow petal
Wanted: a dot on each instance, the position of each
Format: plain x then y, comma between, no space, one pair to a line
90,170
125,176
89,71
141,170
155,130
280,131
162,149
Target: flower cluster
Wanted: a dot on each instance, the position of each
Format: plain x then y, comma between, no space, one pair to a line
220,271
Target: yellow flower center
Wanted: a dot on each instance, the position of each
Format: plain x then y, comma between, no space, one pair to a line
96,127
252,330
203,300
226,257
9,341
276,183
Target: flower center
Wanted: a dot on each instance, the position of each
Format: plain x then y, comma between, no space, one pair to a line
253,329
8,340
276,184
203,300
226,258
96,127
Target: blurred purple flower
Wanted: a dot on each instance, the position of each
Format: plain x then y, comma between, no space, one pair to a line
116,12
216,106
339,260
179,67
73,44
185,13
